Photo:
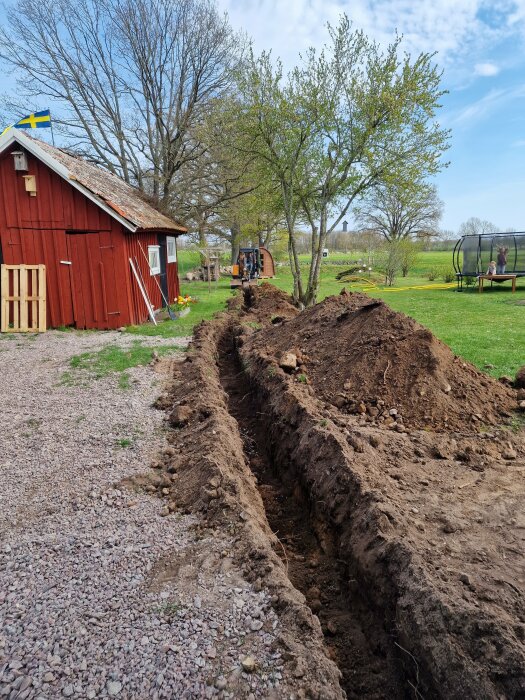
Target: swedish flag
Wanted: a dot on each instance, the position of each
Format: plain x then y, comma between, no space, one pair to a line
36,120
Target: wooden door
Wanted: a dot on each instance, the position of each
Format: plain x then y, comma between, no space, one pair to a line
94,288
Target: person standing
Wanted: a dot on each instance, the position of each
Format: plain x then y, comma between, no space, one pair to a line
242,265
501,260
249,266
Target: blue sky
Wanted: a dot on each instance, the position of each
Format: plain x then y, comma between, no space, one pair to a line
481,49
480,46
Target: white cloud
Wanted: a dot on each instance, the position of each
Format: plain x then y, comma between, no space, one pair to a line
486,70
453,28
488,104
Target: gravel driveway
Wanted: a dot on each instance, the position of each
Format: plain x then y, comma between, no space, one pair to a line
100,596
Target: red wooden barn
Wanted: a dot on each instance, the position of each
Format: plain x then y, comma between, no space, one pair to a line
90,229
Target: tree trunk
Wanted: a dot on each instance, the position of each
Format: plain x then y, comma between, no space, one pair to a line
235,232
318,243
296,272
292,250
203,243
265,237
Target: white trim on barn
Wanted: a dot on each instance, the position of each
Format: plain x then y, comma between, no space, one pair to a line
14,136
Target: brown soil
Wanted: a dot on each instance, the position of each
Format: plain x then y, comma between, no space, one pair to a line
355,634
206,471
407,543
363,357
266,303
433,523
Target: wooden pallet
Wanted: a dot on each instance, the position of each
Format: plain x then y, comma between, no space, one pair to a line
23,298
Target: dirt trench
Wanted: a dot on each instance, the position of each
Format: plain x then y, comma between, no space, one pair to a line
406,544
359,637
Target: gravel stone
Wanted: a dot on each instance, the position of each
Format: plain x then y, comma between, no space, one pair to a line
88,568
113,688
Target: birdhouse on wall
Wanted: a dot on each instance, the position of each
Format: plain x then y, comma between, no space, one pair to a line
30,183
20,160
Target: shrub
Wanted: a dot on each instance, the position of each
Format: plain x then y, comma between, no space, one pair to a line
409,252
390,260
432,274
449,276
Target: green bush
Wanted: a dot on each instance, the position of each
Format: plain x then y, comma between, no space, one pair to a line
449,275
432,273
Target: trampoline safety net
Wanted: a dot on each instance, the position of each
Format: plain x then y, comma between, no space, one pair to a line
472,254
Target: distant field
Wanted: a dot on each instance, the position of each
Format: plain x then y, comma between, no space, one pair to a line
484,328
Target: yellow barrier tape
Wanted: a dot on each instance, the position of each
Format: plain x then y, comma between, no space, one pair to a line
359,282
371,285
418,287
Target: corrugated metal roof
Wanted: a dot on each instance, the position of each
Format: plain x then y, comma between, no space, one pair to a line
124,200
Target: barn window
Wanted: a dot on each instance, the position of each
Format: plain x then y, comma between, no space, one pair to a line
154,259
172,249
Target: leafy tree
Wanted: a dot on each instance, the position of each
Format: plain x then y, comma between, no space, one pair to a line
263,212
400,210
276,122
348,118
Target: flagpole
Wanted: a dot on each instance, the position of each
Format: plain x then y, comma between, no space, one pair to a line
52,132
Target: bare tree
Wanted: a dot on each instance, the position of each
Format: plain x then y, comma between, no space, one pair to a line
128,79
211,190
401,210
475,226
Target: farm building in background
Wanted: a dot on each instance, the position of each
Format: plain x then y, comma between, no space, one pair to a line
85,225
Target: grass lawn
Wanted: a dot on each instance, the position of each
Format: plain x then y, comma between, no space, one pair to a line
208,302
483,328
112,360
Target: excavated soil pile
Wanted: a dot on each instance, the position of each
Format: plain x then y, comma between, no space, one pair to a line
403,547
265,303
363,357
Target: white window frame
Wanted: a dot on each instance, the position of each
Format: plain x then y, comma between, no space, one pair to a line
155,250
171,241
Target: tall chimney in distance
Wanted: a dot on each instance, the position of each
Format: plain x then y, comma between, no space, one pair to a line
345,226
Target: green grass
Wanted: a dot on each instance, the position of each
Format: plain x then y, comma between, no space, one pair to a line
113,359
208,302
124,381
483,328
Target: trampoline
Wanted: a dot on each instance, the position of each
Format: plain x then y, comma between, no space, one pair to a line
472,254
